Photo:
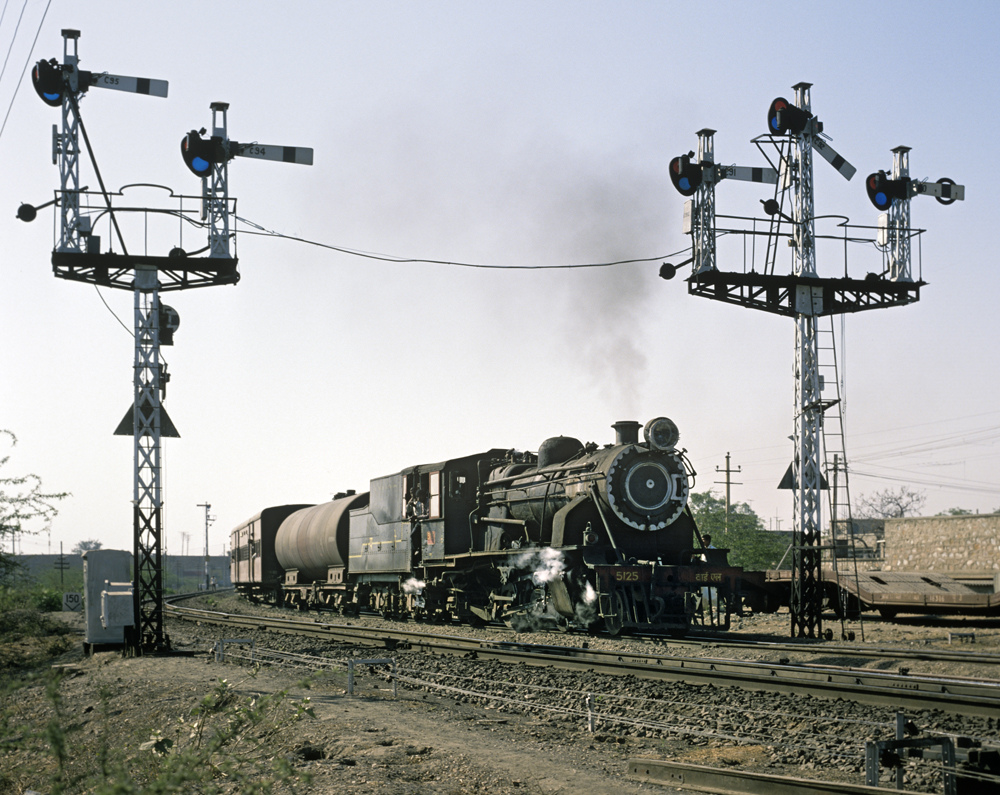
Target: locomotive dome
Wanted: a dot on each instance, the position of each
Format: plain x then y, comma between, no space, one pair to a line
557,449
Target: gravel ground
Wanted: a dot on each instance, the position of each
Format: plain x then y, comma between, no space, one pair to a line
468,726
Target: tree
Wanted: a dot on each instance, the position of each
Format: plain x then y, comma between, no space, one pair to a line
750,545
889,503
85,546
24,507
956,512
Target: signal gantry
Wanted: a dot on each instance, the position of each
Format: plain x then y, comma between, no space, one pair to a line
77,256
795,133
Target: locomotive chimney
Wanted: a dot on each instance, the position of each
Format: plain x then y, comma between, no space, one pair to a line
627,431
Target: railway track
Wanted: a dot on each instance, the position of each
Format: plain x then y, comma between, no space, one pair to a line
826,648
956,695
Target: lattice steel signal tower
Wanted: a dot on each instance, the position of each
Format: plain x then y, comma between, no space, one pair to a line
77,256
795,133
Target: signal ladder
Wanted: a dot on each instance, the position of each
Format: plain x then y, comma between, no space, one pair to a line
835,457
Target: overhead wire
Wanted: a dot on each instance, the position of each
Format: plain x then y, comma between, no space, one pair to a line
13,38
26,62
262,231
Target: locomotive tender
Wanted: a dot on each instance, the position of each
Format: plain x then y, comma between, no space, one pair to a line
575,535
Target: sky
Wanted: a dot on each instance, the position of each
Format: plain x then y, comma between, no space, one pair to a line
499,134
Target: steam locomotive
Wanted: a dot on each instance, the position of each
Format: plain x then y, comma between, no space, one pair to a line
575,535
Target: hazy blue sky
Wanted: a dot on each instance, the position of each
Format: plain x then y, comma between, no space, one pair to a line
513,133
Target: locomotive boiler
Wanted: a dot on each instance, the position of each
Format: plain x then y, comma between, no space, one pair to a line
573,535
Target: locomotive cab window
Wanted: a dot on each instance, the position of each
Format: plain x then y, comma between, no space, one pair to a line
422,495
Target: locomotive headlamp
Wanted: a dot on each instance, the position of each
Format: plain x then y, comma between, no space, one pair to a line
661,434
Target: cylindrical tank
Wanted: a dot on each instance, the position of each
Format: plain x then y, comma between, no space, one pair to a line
313,539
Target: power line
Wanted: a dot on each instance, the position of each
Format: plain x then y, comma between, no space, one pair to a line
13,38
26,62
416,260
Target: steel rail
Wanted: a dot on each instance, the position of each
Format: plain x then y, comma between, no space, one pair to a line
698,778
762,643
809,646
956,695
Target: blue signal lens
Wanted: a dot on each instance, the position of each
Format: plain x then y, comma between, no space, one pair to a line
200,164
882,200
685,183
51,97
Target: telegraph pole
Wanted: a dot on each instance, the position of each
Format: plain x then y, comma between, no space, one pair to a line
729,471
208,521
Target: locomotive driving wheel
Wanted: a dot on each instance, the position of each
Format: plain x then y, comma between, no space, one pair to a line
614,619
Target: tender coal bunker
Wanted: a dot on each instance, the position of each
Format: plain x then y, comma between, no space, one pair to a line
647,486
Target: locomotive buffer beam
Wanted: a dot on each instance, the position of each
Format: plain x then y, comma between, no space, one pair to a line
118,270
796,295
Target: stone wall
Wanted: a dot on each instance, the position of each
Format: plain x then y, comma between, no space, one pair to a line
943,543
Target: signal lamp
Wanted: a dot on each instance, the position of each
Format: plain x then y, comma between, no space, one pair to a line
667,271
882,191
48,81
784,117
685,175
200,154
170,321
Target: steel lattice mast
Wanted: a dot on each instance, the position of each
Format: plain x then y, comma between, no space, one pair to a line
147,523
802,295
806,604
77,256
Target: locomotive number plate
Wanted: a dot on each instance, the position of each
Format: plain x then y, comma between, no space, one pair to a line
623,574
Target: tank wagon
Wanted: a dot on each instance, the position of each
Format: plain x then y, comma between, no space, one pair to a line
573,535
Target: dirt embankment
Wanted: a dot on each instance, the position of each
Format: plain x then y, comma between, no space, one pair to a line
131,717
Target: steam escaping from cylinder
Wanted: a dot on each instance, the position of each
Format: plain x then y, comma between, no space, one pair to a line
415,588
546,564
585,610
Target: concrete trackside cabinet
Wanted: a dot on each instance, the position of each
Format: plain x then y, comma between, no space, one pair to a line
107,590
